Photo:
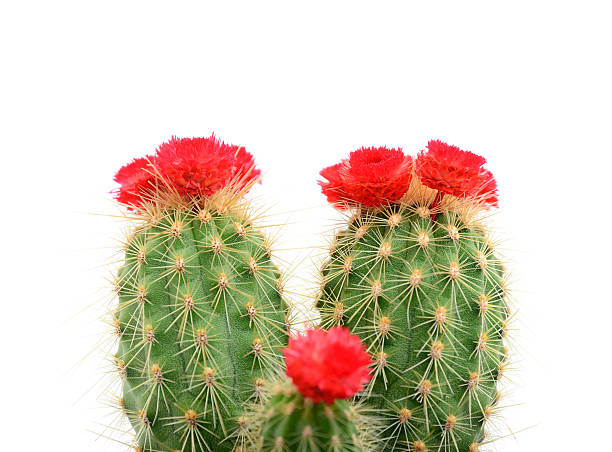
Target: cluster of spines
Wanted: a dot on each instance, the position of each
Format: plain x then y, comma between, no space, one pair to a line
291,422
194,286
430,300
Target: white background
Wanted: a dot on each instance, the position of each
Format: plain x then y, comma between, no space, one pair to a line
86,86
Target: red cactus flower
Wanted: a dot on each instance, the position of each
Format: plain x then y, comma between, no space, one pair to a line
191,167
327,365
370,177
203,166
450,170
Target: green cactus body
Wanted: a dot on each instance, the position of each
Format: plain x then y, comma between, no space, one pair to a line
427,297
201,323
291,422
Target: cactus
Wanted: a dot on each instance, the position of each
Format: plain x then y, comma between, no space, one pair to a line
200,320
309,412
413,273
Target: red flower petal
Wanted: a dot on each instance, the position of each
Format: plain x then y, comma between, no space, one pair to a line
370,177
327,365
459,173
332,188
203,166
191,167
487,194
136,180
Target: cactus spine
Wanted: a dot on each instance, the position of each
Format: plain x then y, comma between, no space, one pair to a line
295,423
200,318
419,281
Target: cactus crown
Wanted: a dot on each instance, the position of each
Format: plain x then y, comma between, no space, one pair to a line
443,178
327,365
187,172
309,412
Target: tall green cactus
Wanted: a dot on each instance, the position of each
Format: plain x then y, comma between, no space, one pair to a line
416,277
200,318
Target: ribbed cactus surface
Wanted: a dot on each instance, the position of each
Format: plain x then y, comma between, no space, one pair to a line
413,273
201,324
200,319
295,423
427,296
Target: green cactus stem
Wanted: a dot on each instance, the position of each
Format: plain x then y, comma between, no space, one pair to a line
418,279
200,319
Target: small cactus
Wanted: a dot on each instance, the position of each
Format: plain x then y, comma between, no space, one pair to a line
414,274
308,412
200,319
